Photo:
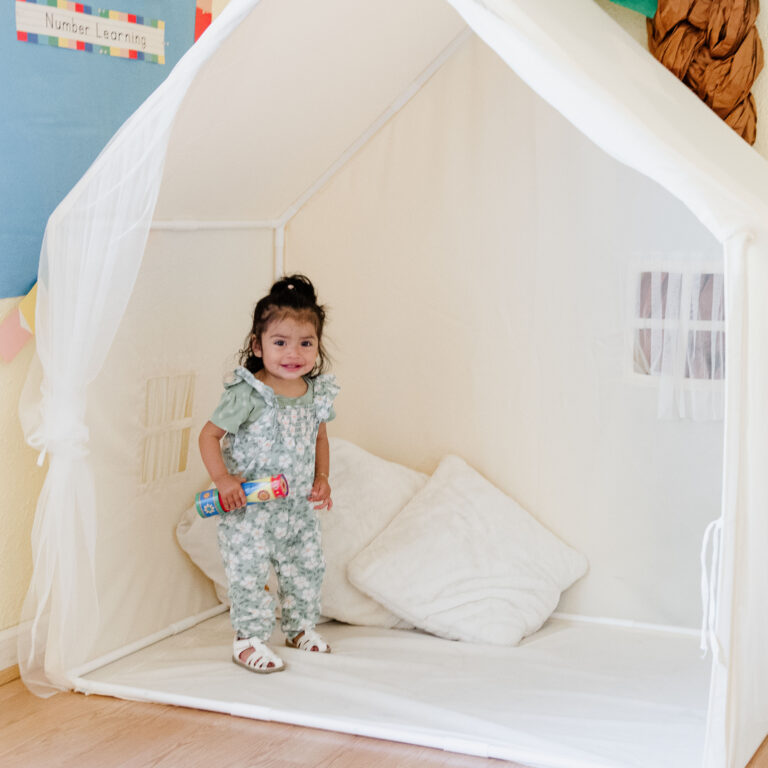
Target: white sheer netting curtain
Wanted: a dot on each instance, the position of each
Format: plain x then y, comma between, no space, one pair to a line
92,250
679,338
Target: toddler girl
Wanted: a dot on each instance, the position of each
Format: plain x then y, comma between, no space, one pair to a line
272,418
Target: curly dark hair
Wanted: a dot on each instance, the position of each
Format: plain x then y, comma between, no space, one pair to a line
292,296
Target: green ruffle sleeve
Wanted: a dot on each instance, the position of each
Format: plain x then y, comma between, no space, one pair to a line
240,403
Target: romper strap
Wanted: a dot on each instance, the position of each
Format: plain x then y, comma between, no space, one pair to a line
243,374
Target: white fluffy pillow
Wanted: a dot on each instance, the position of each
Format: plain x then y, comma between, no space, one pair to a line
466,562
197,537
368,492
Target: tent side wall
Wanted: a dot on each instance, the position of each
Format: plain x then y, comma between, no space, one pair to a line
186,318
477,258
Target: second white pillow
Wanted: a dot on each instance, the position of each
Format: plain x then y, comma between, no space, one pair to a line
368,492
466,562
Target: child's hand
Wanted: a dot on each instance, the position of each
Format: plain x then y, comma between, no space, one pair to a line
321,492
231,493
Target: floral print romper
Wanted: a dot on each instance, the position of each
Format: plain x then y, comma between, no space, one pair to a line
283,532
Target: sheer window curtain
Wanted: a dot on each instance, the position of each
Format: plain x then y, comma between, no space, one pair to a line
680,338
91,254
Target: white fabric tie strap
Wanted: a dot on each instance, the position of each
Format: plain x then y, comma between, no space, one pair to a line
62,430
709,583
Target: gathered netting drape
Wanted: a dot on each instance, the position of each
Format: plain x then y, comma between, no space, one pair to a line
91,254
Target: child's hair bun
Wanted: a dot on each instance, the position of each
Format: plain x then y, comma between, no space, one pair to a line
293,288
291,294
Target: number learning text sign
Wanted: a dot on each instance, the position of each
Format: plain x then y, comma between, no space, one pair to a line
81,27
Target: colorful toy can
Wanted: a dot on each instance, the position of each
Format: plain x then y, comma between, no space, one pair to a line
256,491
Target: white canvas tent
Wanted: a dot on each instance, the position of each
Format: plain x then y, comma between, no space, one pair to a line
472,185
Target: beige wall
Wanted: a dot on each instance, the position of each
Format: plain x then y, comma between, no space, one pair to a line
21,479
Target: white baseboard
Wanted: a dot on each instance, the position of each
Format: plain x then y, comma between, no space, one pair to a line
8,655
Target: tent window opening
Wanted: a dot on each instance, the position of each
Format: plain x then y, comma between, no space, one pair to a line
168,426
679,339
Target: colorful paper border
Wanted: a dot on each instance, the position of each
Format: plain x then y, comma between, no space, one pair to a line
77,45
203,17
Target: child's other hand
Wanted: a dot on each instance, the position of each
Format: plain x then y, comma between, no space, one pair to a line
321,493
231,493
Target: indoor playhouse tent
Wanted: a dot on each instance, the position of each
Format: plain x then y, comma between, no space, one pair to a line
481,191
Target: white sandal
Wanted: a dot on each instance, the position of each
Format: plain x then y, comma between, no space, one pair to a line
308,640
259,660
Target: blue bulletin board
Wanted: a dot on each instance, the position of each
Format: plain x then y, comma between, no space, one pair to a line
58,107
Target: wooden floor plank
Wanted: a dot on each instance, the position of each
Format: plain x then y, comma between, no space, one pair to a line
71,729
760,758
8,674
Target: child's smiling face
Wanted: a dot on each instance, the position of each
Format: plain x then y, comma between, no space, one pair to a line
288,348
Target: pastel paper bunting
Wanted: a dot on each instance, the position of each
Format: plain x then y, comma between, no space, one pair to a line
13,336
18,327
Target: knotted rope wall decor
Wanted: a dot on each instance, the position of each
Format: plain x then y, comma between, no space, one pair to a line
714,48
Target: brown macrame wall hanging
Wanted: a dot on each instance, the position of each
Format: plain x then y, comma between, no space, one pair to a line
714,48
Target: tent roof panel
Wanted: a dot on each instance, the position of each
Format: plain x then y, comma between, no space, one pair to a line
285,96
613,90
